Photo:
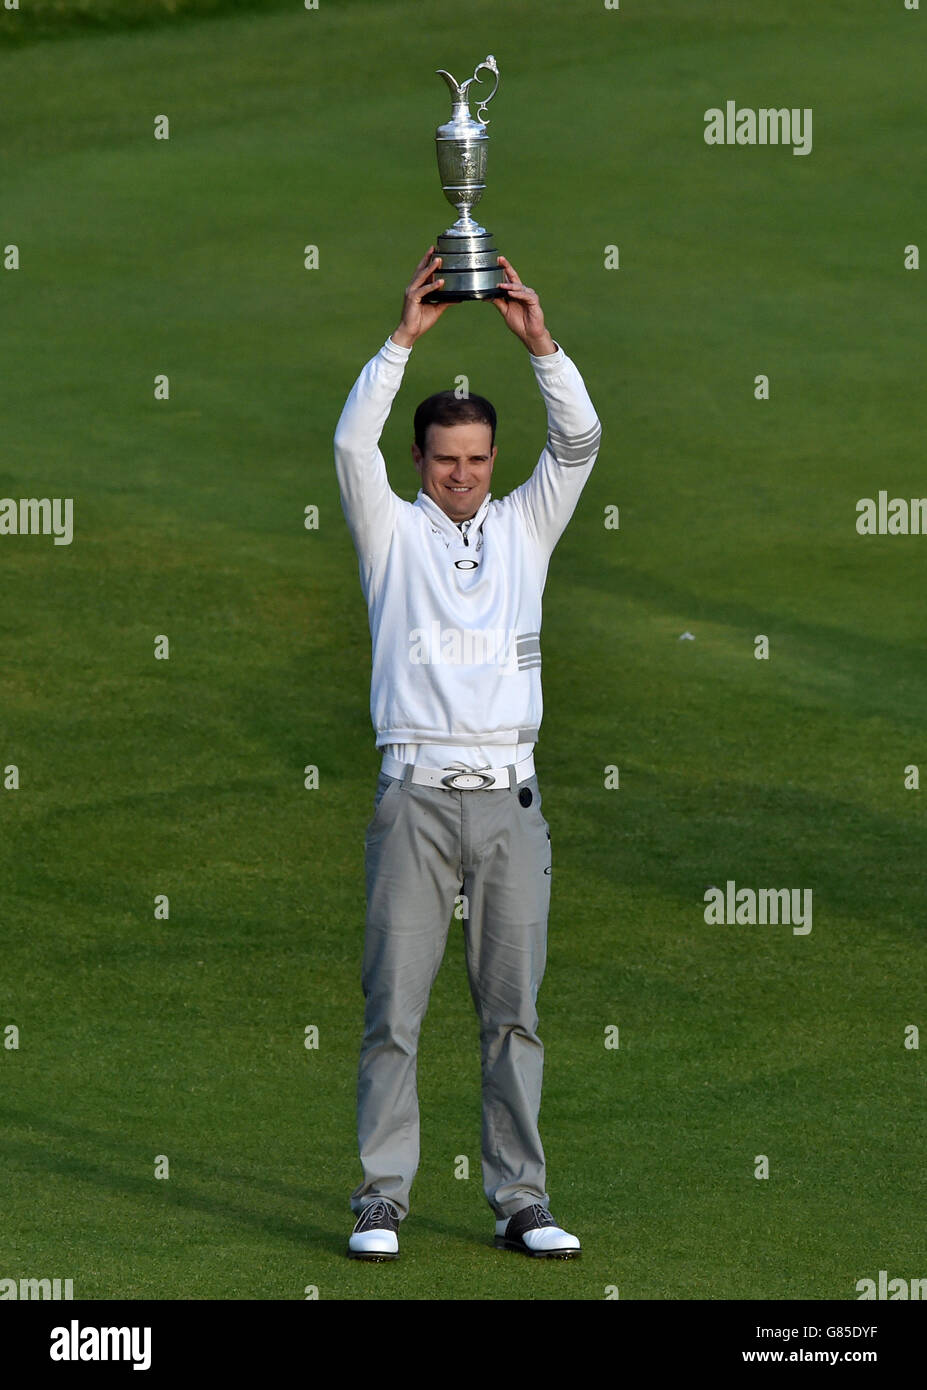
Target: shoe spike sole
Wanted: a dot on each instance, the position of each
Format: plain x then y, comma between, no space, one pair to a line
502,1244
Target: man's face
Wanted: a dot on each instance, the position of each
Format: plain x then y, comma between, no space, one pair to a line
456,467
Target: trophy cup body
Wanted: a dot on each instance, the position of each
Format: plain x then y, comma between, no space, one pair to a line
468,256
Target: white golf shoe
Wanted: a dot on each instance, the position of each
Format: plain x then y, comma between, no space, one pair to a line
375,1236
533,1231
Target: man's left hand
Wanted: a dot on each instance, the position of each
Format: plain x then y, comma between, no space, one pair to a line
523,313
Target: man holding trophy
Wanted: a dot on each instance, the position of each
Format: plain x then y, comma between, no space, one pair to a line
453,583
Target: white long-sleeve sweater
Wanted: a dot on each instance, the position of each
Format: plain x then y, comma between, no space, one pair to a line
455,619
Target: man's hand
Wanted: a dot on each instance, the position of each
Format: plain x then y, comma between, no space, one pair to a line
523,314
417,317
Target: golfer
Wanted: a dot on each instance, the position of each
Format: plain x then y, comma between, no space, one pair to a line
453,583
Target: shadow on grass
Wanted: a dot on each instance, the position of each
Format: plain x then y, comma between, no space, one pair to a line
109,1171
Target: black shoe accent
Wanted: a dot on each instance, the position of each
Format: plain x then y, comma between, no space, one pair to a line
377,1216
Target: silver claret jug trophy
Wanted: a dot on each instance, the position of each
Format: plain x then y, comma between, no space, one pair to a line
468,256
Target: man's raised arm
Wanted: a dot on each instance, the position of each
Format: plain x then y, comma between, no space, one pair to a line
549,497
368,501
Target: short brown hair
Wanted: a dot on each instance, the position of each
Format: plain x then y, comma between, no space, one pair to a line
445,408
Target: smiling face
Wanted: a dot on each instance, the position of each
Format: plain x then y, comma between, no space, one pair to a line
456,467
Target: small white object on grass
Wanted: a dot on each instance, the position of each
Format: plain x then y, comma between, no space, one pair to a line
687,637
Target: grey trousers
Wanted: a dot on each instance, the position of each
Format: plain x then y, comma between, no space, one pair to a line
423,848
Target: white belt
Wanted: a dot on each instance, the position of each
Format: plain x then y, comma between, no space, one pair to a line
462,779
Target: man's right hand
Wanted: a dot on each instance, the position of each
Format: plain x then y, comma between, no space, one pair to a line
417,317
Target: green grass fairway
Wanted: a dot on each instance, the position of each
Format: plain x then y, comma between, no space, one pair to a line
185,1037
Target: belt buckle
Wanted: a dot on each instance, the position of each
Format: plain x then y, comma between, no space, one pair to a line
463,781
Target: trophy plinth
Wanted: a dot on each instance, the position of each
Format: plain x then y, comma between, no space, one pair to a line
469,265
469,268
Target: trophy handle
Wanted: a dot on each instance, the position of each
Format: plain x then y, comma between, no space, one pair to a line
459,89
490,64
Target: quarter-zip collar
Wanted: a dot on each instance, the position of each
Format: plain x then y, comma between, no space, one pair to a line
450,529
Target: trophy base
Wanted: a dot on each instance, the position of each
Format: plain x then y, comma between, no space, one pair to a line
454,296
469,269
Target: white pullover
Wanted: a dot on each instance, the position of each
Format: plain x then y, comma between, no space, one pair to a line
455,612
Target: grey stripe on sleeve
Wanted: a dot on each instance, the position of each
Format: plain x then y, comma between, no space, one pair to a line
528,650
571,451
